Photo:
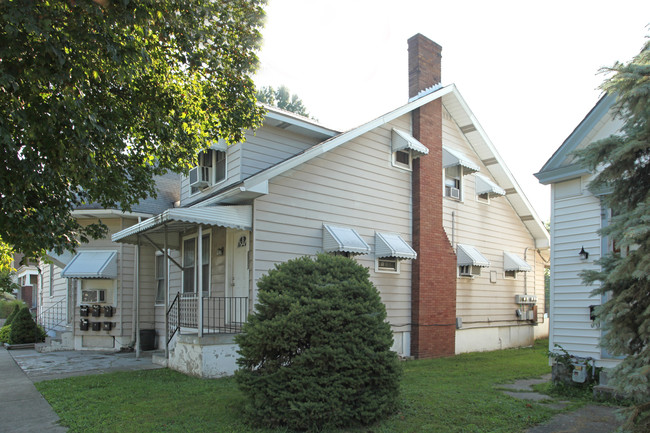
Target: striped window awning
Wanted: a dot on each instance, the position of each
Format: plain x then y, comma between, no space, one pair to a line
393,245
401,140
92,264
512,262
452,158
483,185
468,255
343,240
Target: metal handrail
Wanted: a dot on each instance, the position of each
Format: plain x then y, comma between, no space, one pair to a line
176,325
53,316
221,315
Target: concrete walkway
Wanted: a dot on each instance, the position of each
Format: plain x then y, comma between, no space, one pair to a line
22,408
588,419
58,365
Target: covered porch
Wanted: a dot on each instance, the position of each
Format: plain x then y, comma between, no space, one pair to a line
195,263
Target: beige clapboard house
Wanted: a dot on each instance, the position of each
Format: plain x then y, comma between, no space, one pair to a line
419,196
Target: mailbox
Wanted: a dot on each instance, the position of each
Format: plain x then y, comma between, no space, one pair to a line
83,325
97,326
108,311
96,310
83,310
107,326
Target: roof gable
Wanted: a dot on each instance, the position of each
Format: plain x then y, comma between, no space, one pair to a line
561,165
466,121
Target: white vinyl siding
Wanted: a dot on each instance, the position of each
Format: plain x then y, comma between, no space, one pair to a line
353,186
492,230
575,222
262,149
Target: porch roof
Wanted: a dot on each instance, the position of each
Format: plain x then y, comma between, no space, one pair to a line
176,221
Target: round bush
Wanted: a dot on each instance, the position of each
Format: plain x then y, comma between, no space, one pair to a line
316,353
24,329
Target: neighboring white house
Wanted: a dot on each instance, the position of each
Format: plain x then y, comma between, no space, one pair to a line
576,217
419,195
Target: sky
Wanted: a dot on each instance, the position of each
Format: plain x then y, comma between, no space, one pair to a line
528,70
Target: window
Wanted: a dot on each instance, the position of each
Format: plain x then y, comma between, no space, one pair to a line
483,198
190,270
511,274
469,271
453,182
210,170
387,264
402,159
160,278
189,258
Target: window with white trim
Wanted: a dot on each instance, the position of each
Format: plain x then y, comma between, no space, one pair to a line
387,264
210,170
469,271
160,278
510,274
403,159
454,182
190,268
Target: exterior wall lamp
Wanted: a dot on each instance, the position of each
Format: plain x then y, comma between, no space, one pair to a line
584,255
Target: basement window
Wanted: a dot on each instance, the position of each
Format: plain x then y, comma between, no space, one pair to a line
387,264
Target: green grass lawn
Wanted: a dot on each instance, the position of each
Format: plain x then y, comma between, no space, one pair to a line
441,395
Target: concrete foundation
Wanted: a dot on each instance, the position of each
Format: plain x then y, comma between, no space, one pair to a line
494,338
208,357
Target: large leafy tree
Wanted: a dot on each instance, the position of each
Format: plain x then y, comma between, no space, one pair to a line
622,164
97,97
282,98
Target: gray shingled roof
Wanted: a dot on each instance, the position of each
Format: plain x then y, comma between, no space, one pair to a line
169,191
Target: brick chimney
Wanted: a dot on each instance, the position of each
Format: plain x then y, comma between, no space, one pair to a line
433,290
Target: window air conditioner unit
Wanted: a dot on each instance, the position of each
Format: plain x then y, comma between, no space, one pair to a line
199,177
453,192
93,295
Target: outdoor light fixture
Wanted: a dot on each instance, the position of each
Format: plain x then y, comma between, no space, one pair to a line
583,254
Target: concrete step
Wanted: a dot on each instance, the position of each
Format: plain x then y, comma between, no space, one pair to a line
158,358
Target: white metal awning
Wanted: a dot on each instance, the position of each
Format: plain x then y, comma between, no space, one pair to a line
483,185
393,245
344,240
401,140
468,255
173,222
92,264
451,158
512,262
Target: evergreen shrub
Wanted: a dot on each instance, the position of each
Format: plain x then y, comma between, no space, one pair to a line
13,313
316,352
5,333
24,329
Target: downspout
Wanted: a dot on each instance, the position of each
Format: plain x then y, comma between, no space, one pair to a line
453,229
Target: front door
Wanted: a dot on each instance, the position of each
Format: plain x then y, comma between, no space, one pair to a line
237,283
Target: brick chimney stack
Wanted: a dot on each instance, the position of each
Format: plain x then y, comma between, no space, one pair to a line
433,297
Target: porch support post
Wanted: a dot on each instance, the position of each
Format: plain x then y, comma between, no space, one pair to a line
166,273
199,279
137,299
